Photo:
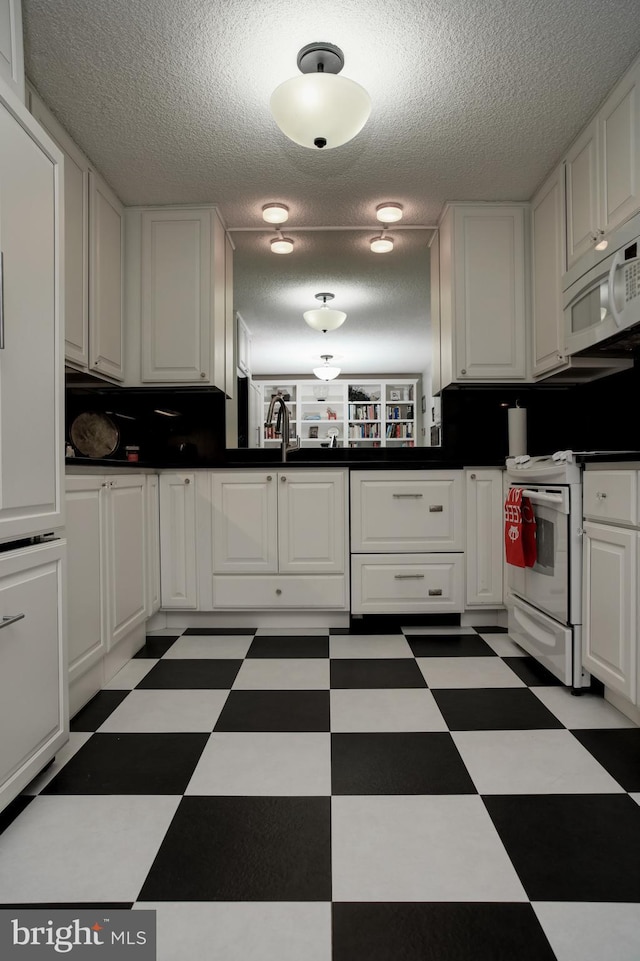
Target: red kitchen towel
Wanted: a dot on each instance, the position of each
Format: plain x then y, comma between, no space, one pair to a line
519,529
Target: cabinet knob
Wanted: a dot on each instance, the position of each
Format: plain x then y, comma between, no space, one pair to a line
269,477
463,371
202,373
472,476
278,591
105,484
187,480
601,495
283,479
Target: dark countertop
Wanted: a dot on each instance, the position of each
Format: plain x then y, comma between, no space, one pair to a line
606,456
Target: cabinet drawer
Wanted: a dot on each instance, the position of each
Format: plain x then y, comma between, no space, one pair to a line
406,511
406,583
261,592
611,495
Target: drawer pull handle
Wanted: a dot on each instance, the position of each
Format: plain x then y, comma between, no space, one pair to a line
435,592
407,495
436,508
601,495
10,620
406,577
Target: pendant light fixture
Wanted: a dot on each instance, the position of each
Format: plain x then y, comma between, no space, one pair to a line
318,108
327,371
324,318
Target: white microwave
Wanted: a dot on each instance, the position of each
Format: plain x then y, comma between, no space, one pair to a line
605,302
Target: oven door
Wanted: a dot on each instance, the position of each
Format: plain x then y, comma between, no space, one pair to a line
545,586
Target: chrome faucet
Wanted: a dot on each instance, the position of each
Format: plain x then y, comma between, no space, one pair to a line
282,425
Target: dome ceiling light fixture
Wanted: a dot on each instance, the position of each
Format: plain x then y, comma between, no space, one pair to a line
325,318
318,108
281,244
327,371
389,213
275,213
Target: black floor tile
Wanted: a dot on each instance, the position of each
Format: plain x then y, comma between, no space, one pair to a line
490,629
403,763
130,764
618,751
69,905
377,624
340,631
532,672
156,646
438,932
579,847
494,709
191,674
244,849
361,672
220,631
275,711
449,645
292,645
13,809
98,709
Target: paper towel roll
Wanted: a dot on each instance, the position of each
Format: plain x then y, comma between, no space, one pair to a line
517,431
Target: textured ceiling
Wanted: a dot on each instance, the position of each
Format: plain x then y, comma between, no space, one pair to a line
471,100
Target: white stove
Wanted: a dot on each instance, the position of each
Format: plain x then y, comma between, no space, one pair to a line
544,602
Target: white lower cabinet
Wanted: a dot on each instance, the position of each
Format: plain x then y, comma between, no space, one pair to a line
108,555
153,544
178,534
484,551
407,583
33,682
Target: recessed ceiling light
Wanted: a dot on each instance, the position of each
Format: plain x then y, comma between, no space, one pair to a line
389,213
602,245
281,245
275,213
381,245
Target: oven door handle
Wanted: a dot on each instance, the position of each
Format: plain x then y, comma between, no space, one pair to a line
541,497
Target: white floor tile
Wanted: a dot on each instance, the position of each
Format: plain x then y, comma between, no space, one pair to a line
166,632
75,742
584,711
166,711
292,631
410,631
285,674
503,645
264,764
83,848
591,931
409,709
233,646
452,672
531,762
419,848
369,645
131,674
245,931
635,797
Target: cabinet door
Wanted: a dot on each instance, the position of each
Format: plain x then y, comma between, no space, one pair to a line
85,527
30,362
245,525
489,281
434,285
127,549
610,629
243,345
547,257
619,135
256,416
582,200
11,49
76,243
105,279
178,541
484,551
312,524
153,544
175,296
33,683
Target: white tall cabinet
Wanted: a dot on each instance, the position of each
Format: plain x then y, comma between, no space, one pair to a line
11,48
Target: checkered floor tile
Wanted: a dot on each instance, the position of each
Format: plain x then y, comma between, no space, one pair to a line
334,796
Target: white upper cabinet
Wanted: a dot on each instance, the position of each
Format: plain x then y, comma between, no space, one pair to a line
105,279
179,296
243,345
30,322
482,293
547,256
603,169
11,49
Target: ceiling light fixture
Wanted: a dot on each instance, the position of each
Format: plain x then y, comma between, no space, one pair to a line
327,371
318,108
324,318
382,244
275,213
281,245
389,213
